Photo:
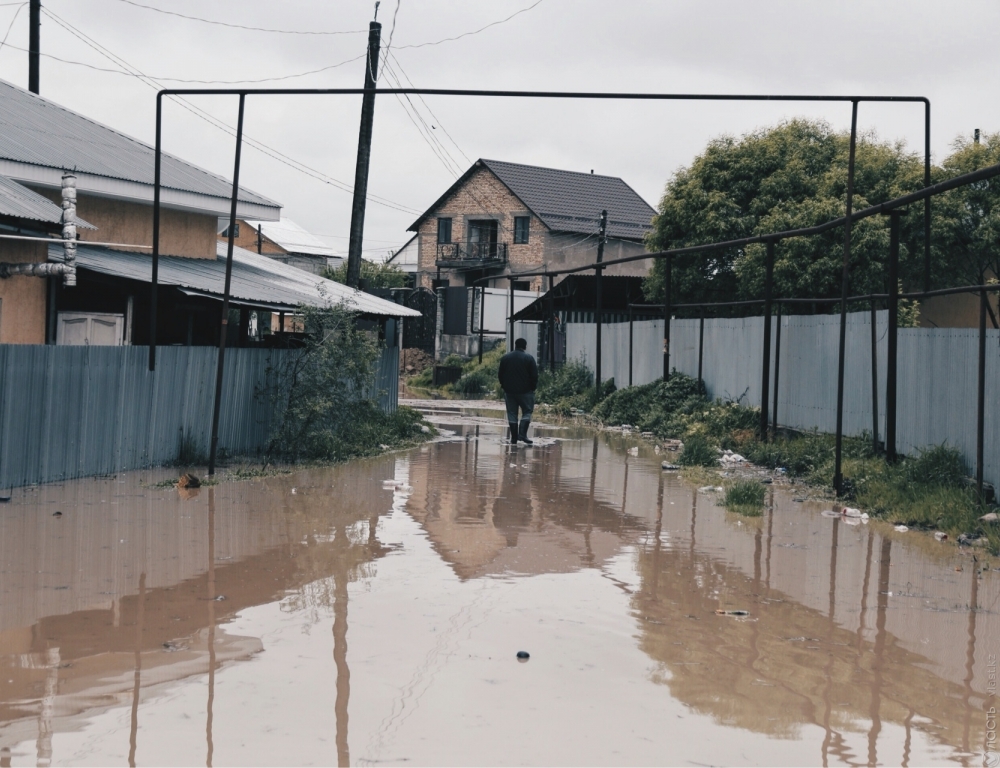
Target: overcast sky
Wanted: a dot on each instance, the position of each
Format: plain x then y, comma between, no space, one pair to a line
946,51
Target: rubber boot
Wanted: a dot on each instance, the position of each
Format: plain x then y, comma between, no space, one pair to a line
513,432
523,432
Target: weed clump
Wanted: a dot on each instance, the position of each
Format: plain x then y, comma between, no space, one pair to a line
698,452
744,497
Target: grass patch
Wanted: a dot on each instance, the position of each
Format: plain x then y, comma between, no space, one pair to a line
698,452
744,497
929,491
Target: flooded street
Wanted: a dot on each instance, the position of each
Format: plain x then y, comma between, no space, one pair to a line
320,618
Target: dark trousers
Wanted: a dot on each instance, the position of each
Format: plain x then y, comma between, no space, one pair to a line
525,402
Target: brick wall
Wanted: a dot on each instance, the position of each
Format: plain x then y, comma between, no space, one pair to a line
483,196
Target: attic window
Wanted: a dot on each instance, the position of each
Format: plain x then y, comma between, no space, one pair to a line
521,225
236,231
444,230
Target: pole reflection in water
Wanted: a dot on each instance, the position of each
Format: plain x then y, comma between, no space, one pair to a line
340,579
209,745
134,721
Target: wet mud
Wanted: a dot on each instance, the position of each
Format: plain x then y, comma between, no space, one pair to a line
324,617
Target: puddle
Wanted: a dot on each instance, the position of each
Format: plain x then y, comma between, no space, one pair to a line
327,617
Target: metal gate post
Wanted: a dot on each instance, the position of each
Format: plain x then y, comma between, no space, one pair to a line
765,357
224,324
777,368
666,319
838,477
981,400
630,330
874,381
701,346
482,311
893,337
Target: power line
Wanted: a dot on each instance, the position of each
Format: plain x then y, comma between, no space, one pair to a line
16,13
185,104
473,32
242,26
179,79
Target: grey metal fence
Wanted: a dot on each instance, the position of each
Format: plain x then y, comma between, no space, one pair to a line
77,411
937,373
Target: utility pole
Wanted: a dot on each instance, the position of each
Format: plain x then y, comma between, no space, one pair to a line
34,42
364,155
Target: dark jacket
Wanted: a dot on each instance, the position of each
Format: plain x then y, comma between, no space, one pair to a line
518,372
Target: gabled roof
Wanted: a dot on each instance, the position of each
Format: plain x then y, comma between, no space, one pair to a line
567,201
290,236
39,139
20,202
256,280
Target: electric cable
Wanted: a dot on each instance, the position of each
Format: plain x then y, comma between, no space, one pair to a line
215,122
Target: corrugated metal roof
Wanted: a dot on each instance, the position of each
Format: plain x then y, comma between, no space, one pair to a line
40,132
291,237
567,201
21,203
255,279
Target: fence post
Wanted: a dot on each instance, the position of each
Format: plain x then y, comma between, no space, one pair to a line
482,315
510,319
765,357
981,404
874,381
777,364
630,329
599,303
552,329
701,346
892,340
666,319
838,477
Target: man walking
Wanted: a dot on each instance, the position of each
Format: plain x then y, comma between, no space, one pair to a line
518,376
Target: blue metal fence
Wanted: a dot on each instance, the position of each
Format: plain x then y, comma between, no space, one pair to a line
69,411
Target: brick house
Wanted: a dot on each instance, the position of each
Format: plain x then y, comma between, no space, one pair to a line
502,218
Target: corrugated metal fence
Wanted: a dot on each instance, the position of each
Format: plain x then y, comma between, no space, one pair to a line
68,411
936,380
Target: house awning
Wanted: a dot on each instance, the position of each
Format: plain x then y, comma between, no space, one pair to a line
19,202
256,280
578,293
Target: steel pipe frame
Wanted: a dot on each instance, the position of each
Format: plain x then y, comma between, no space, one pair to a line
616,96
242,93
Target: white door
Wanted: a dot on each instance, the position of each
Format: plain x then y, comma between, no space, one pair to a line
94,328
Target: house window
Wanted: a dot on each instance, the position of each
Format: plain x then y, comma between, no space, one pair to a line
236,231
521,229
444,230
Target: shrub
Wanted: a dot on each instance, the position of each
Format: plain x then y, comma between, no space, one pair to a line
570,379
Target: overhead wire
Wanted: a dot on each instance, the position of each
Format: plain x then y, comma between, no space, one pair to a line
243,26
9,28
475,31
215,122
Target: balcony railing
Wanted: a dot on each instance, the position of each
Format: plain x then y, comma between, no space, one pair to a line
467,254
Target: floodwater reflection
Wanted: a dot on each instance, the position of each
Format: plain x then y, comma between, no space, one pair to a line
141,626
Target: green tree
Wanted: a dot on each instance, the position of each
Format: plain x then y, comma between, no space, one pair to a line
790,176
966,221
374,275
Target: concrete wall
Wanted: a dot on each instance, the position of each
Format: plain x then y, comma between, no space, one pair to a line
182,233
568,249
22,299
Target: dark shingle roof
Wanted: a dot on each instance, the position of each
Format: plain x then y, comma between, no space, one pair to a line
566,201
569,201
40,132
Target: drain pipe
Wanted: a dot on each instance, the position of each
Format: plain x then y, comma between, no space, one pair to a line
48,269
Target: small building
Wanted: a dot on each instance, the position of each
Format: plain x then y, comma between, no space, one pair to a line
283,241
503,218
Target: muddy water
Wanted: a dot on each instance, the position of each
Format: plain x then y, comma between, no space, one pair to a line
320,618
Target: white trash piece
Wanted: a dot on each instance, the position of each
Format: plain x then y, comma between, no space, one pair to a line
901,528
633,451
850,512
